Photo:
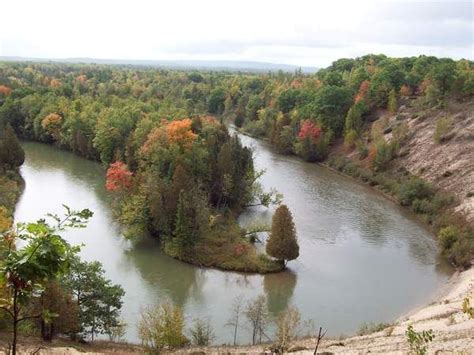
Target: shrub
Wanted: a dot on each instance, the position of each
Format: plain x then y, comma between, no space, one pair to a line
384,154
162,327
418,341
362,149
447,236
413,189
350,139
443,126
202,333
288,324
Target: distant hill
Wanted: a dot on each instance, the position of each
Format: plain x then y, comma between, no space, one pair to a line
230,65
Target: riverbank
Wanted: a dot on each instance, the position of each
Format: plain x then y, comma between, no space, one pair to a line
452,328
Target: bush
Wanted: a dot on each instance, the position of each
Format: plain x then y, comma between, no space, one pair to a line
162,327
447,236
443,126
385,152
413,189
350,139
418,341
202,333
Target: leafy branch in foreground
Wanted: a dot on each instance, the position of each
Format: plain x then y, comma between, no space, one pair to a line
44,256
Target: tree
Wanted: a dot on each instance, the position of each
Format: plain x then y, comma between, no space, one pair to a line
99,301
162,326
282,243
392,101
5,91
216,101
44,256
234,321
11,152
119,178
257,317
59,312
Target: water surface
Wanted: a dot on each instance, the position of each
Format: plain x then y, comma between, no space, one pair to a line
362,258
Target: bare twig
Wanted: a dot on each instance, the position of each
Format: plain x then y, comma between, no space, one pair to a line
320,337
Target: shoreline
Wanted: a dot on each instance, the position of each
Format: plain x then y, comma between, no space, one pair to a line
454,332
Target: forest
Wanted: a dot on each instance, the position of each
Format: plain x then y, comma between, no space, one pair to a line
177,173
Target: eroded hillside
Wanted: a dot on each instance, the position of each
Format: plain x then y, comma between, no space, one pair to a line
439,148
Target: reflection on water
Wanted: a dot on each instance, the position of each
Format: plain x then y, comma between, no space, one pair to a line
361,257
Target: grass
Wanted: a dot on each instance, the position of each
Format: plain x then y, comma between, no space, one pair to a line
369,328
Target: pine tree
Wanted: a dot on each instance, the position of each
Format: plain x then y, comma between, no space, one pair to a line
11,152
184,234
283,244
392,101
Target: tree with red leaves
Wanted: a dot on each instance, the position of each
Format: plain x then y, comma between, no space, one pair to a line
118,177
309,129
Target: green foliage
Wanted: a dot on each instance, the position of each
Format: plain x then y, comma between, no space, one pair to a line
161,327
385,153
11,153
201,332
467,308
282,243
414,189
44,256
447,236
216,101
443,126
99,300
419,341
392,104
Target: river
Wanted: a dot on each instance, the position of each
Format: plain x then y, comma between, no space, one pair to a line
362,258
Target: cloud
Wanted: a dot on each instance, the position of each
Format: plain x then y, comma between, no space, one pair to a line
302,32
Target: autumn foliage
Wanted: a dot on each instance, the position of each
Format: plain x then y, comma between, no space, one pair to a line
175,132
5,90
309,129
362,93
52,123
118,177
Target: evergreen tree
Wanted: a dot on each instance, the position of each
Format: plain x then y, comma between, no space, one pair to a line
186,229
392,101
283,244
11,152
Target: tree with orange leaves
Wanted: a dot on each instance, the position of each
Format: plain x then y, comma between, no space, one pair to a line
180,132
52,124
362,93
118,177
5,91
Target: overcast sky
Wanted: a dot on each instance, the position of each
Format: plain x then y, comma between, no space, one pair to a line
301,32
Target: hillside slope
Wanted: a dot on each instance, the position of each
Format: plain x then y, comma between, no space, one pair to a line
448,164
